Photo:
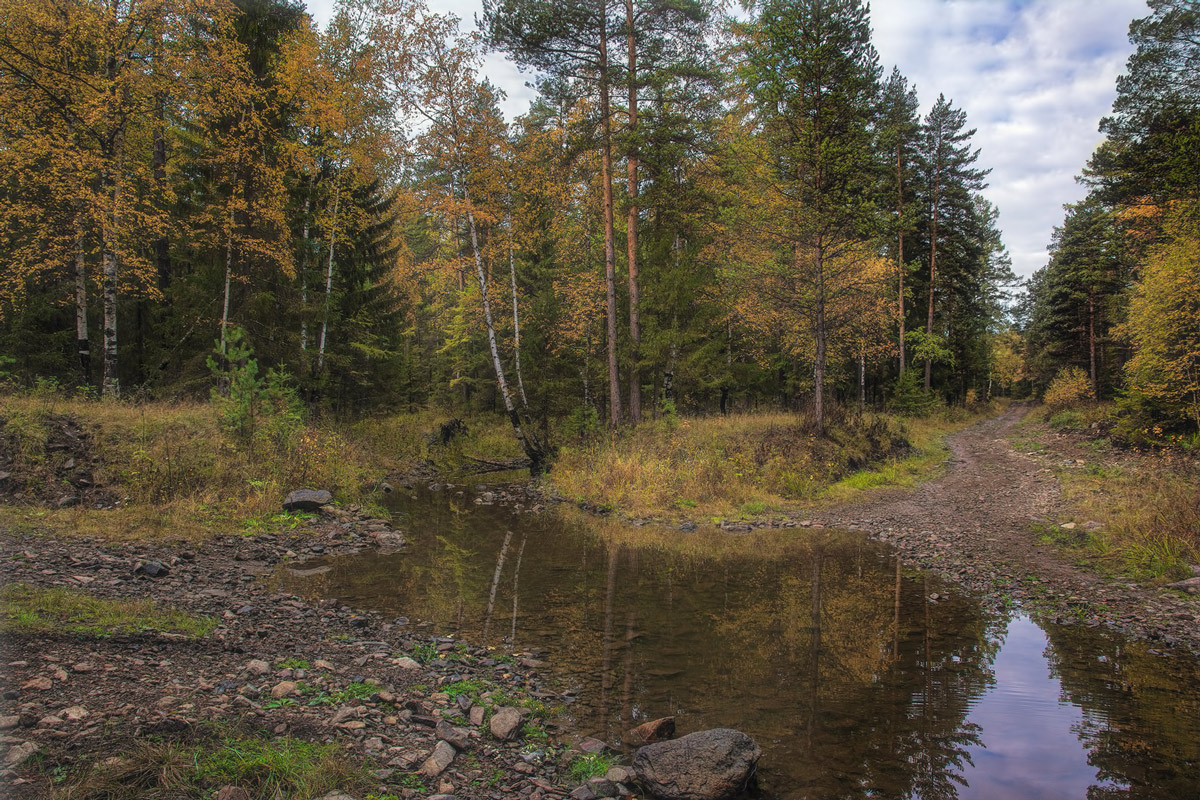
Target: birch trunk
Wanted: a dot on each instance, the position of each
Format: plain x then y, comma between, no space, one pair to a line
228,276
337,195
82,344
530,445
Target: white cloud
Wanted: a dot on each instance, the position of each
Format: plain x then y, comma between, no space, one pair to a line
1034,77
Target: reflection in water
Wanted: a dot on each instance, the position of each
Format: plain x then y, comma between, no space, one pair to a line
857,678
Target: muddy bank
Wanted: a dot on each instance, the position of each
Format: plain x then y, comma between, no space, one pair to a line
275,665
977,526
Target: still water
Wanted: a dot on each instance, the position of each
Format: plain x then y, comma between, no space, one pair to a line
859,678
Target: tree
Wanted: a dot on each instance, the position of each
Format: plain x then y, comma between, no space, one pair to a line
102,72
813,75
464,132
570,42
899,130
949,181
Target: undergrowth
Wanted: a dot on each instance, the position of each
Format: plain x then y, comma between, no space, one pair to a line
26,609
744,466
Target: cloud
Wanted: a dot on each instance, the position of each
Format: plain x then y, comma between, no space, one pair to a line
1034,78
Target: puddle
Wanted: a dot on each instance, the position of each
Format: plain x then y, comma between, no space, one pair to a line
858,678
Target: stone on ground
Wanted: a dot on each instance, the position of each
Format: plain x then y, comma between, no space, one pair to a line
707,765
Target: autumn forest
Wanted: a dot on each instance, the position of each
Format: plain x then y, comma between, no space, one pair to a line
699,213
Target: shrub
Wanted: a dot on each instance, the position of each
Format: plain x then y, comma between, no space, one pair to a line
1070,387
909,398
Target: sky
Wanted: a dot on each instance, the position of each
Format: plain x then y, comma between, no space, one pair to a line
1034,76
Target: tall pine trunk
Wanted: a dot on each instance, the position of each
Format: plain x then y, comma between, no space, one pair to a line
933,234
635,331
900,247
615,415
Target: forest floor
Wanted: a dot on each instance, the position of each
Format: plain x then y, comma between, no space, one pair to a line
995,521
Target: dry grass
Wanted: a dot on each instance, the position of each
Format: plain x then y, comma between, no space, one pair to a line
1149,510
745,466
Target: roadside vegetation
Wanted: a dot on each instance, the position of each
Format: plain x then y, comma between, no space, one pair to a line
31,610
1136,509
120,470
750,465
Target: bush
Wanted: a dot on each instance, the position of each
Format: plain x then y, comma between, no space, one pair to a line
1070,387
909,398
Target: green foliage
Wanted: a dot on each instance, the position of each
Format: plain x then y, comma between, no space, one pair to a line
29,610
590,765
908,397
254,409
1066,421
583,422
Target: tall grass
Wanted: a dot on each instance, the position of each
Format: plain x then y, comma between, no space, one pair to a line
738,465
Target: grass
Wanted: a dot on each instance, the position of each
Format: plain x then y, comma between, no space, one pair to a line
745,466
215,757
172,470
590,765
1147,506
25,609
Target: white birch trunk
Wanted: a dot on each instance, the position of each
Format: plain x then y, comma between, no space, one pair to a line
337,192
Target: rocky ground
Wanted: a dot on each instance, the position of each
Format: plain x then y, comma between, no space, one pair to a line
410,708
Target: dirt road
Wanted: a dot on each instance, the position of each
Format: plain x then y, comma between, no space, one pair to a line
977,525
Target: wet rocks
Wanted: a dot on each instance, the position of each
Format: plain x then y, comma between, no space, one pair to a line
657,730
307,500
707,765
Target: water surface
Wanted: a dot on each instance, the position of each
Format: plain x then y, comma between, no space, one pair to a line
857,677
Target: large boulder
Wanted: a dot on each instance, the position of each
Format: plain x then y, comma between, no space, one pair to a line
707,765
307,500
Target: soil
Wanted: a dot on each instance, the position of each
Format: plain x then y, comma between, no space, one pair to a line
978,525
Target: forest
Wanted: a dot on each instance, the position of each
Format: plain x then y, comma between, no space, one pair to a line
700,212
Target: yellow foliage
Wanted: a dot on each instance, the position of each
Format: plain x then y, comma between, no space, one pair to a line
1070,387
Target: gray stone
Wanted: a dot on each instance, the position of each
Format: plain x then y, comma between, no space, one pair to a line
390,540
707,765
336,794
232,793
441,758
307,500
603,787
152,569
476,714
619,774
583,793
457,737
19,754
506,723
1189,585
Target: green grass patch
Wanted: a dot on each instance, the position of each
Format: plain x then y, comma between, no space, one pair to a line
26,609
590,765
194,769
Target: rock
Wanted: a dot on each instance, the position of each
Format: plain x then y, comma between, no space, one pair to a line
441,797
583,793
707,765
603,787
152,569
590,745
441,758
1189,585
404,662
658,730
67,500
506,723
10,722
258,667
75,713
476,714
321,663
457,737
1068,526
307,500
283,689
19,754
40,683
390,540
336,794
619,774
232,793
